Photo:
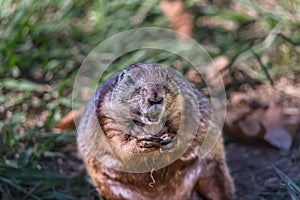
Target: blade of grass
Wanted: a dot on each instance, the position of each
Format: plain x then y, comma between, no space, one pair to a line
292,188
60,196
14,185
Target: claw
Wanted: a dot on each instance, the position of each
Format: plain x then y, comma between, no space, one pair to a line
147,137
164,139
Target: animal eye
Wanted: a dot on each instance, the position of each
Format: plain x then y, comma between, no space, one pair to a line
121,76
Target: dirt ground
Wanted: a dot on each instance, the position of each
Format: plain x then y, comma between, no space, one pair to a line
252,169
251,166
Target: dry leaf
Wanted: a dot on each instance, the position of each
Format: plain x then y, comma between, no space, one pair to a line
273,120
250,127
279,138
266,113
215,69
218,64
273,116
181,20
194,75
67,122
214,21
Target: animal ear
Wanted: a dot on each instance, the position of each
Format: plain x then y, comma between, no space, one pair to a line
129,79
124,76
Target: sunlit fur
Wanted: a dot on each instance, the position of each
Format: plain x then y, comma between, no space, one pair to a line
121,110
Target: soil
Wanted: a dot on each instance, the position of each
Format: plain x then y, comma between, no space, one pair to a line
252,169
251,165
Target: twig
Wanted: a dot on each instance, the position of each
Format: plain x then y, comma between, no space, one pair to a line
232,61
152,178
289,40
262,66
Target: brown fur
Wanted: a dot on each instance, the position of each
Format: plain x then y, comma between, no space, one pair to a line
188,177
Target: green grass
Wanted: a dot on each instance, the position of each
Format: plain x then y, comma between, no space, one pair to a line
289,189
292,188
43,43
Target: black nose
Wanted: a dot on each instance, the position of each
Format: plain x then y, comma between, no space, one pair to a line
155,99
152,93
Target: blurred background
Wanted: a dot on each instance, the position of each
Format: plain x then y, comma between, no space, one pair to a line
254,45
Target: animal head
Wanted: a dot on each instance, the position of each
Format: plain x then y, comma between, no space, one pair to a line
145,103
149,115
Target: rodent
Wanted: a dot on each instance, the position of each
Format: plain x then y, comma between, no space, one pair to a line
139,111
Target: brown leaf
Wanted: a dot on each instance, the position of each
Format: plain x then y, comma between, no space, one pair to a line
218,64
67,122
250,127
275,123
194,75
269,113
273,116
214,21
238,98
235,131
181,20
172,9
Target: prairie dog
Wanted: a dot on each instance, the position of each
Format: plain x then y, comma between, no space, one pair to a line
141,134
